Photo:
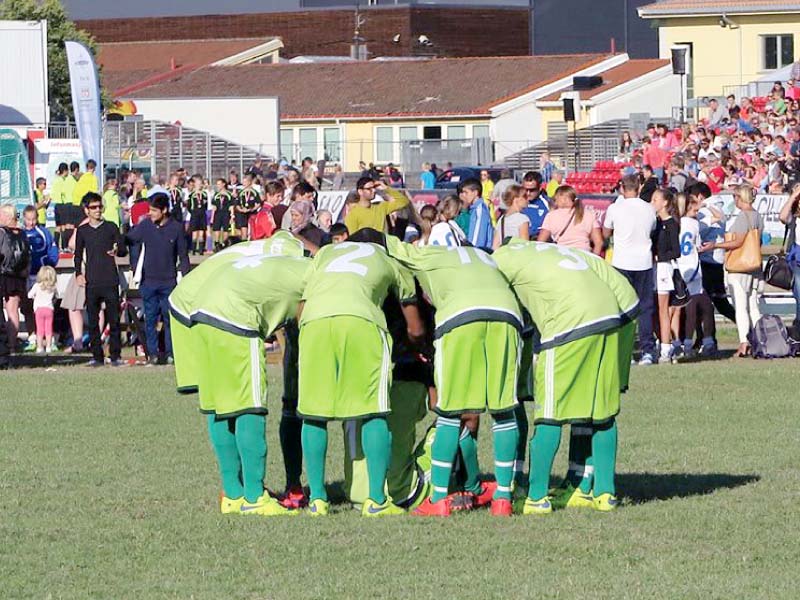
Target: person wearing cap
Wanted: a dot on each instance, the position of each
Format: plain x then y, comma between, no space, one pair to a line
163,247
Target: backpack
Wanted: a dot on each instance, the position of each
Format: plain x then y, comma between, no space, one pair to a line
15,252
769,338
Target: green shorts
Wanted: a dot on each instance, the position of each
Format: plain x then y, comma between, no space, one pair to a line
627,341
183,351
345,369
525,375
408,400
232,372
475,368
579,382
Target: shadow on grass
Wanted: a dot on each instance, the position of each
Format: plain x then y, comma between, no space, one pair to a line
639,488
39,361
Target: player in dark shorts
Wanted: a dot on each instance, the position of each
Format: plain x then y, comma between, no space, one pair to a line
197,215
249,201
222,202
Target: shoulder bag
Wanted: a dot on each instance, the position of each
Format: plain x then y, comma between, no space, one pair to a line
747,257
778,271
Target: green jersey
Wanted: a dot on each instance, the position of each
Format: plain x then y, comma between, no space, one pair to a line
61,192
193,286
354,278
463,284
570,294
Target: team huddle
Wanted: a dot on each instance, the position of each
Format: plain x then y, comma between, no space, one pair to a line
377,333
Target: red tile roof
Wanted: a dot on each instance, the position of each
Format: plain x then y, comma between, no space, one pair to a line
617,76
447,86
690,7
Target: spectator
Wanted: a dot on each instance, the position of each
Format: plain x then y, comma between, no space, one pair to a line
42,200
62,198
111,202
257,168
446,231
743,286
427,179
679,178
428,217
163,246
338,178
324,220
716,113
788,216
301,191
313,237
480,232
553,184
631,220
666,246
571,224
487,186
367,214
394,177
500,187
102,242
649,183
309,172
44,252
538,204
626,144
546,167
43,293
14,270
513,223
654,156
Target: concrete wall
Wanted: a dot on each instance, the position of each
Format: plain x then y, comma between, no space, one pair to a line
725,56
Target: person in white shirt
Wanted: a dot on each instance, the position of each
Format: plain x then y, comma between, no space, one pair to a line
631,221
446,231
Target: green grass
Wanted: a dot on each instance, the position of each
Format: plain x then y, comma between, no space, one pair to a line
109,489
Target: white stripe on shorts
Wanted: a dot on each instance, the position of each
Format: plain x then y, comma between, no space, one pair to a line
255,371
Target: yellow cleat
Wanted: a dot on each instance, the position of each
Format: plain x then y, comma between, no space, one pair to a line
228,506
318,508
580,500
371,508
542,506
606,503
266,506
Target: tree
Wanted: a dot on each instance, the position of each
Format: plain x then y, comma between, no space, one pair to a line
59,29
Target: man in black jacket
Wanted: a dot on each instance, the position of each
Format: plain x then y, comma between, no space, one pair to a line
97,244
163,246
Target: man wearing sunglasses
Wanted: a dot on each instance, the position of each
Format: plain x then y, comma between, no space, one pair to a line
537,202
97,244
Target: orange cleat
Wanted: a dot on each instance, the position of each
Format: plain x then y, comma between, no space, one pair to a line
502,508
432,509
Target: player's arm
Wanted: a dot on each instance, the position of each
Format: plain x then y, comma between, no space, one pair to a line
300,306
415,327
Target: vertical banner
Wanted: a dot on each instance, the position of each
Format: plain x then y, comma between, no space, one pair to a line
86,102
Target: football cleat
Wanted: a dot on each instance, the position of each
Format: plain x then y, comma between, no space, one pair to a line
294,497
440,508
502,508
228,506
543,506
458,501
580,500
606,503
484,497
370,508
266,506
318,508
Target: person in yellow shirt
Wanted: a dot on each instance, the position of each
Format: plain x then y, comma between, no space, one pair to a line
62,204
552,185
42,201
488,188
111,201
365,214
86,183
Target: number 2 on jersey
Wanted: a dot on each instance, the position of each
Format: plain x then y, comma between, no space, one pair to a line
346,262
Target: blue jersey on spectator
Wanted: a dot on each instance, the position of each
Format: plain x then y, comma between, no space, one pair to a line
44,251
481,232
536,212
428,180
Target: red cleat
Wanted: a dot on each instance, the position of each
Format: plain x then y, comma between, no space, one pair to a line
502,508
293,498
432,509
485,497
459,501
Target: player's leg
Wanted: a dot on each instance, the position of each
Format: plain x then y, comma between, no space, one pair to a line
315,449
252,446
223,441
445,446
524,394
468,446
291,426
405,478
604,450
377,444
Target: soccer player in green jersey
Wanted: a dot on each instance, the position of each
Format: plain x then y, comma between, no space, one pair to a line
477,345
221,314
345,359
583,310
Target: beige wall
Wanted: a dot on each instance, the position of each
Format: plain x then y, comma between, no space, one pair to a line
725,56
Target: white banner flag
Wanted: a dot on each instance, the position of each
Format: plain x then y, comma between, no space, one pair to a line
86,102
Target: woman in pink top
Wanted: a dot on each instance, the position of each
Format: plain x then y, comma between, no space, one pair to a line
571,224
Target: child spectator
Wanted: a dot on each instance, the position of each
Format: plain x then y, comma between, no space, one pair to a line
667,250
43,293
514,223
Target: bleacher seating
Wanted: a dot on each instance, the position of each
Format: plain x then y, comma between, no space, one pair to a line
600,180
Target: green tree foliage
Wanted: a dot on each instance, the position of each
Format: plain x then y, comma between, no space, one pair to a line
59,29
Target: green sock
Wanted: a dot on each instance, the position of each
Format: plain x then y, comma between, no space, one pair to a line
506,435
315,446
468,444
580,472
544,445
445,446
604,452
289,433
223,441
376,442
252,447
522,443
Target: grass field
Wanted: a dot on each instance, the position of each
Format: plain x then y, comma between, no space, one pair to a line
109,489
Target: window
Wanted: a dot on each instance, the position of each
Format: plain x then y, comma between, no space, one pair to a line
480,131
456,132
384,146
333,144
287,144
308,143
408,134
778,51
432,132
